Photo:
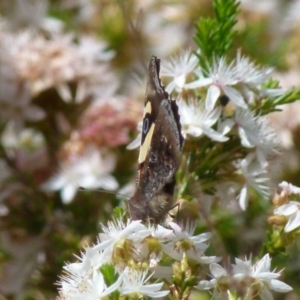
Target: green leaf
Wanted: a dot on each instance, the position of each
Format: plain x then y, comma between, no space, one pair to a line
214,36
110,277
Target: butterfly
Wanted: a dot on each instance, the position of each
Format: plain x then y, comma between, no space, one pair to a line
160,152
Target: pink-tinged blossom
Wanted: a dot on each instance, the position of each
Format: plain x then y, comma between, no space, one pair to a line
25,55
289,188
290,210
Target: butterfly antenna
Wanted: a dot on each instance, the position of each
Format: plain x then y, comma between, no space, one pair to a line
134,29
102,191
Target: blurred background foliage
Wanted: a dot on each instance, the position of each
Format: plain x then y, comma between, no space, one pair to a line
72,82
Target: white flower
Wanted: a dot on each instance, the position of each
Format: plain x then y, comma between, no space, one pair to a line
196,244
75,279
292,211
187,234
247,126
219,275
246,72
217,272
254,131
91,170
261,272
135,282
84,279
267,142
221,78
117,230
179,68
289,188
255,177
196,122
78,284
180,233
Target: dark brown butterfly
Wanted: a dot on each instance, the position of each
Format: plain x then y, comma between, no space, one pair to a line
160,152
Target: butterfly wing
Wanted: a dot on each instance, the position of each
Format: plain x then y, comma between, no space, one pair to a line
159,153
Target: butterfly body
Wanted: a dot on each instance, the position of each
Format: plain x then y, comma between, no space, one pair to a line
160,152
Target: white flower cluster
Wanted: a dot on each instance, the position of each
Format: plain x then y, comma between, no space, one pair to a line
255,279
36,63
31,63
136,252
240,82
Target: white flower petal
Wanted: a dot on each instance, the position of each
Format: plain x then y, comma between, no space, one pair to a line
68,193
226,126
170,87
216,270
279,286
293,222
64,92
246,142
55,183
264,264
107,182
194,131
135,143
180,81
235,96
212,116
199,83
214,135
212,96
287,209
265,294
243,199
205,284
